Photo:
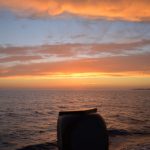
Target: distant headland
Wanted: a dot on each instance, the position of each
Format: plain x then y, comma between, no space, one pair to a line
142,89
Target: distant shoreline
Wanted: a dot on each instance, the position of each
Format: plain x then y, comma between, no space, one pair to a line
140,89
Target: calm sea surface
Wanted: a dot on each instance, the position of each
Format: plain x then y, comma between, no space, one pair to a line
29,116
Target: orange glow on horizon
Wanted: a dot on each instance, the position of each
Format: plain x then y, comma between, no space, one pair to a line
61,80
61,75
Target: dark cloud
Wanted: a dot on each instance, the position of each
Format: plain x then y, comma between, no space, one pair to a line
13,50
94,50
71,50
19,59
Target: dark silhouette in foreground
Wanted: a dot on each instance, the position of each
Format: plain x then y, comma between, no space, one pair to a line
81,130
78,130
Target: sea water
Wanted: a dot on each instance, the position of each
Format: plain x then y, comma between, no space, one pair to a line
29,116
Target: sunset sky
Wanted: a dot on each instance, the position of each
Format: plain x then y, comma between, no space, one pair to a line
74,43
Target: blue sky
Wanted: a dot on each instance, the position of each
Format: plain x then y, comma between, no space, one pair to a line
18,31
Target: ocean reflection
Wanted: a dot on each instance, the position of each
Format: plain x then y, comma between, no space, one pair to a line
30,116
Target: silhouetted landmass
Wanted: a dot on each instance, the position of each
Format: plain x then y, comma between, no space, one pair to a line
142,89
117,134
43,146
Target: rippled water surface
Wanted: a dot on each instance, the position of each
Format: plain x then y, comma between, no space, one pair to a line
29,116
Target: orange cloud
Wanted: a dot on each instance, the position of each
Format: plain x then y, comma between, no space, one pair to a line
132,10
118,64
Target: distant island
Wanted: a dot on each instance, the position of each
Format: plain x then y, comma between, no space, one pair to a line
142,89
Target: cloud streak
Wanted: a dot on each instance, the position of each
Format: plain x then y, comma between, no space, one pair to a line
19,58
66,50
135,63
110,58
138,10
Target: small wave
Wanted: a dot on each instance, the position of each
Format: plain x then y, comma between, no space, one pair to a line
113,132
38,113
131,120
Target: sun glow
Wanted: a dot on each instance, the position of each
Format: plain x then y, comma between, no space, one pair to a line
73,75
78,80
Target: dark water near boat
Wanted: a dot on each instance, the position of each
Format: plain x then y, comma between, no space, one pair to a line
29,116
